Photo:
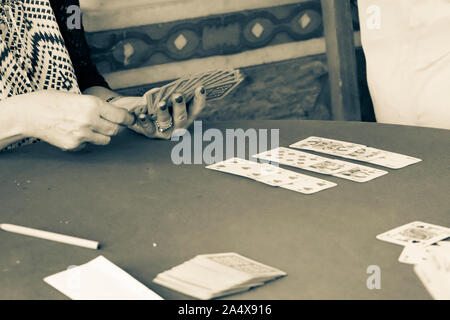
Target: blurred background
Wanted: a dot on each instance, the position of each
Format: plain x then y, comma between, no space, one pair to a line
278,44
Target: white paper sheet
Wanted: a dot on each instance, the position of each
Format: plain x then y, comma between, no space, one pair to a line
100,279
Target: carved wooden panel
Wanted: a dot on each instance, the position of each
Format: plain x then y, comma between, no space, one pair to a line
149,45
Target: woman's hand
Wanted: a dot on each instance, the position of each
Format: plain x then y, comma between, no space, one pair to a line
166,121
68,121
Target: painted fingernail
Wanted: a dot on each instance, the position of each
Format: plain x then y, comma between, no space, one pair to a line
179,99
203,91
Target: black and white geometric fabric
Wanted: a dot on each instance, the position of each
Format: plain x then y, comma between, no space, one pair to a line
33,55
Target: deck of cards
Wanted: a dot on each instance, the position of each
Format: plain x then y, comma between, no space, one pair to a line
272,175
355,151
217,83
427,247
215,275
314,163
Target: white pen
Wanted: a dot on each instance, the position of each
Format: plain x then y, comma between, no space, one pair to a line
50,236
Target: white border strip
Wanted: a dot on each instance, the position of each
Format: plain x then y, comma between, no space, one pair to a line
110,15
170,71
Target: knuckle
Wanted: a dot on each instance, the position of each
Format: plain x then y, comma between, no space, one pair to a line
89,116
180,117
71,145
114,130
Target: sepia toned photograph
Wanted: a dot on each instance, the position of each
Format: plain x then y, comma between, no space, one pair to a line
239,152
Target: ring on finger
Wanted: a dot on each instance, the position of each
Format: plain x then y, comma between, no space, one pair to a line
164,126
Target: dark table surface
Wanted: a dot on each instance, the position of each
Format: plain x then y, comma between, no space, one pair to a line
150,214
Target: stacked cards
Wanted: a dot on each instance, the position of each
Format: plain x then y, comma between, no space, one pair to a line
217,83
314,163
355,151
272,175
427,246
215,275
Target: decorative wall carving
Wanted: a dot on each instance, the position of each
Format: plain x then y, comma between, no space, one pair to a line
136,47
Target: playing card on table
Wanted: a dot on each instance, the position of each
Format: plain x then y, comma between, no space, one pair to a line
232,264
272,175
215,275
364,154
329,146
418,234
309,185
280,177
240,167
415,255
311,162
195,290
201,276
329,166
261,172
99,279
393,160
435,274
290,157
360,173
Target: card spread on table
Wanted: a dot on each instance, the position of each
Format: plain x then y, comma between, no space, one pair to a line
215,275
100,279
314,163
417,234
217,83
355,151
272,175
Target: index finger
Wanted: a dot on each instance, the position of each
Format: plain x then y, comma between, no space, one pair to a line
116,115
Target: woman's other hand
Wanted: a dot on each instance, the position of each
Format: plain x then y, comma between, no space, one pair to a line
68,121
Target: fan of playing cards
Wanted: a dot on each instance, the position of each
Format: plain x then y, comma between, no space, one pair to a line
214,275
217,84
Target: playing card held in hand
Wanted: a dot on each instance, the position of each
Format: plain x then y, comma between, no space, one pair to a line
217,83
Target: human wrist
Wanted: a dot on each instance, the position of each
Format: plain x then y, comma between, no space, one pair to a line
15,123
102,93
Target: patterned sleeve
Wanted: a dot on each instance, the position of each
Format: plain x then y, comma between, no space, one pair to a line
77,46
